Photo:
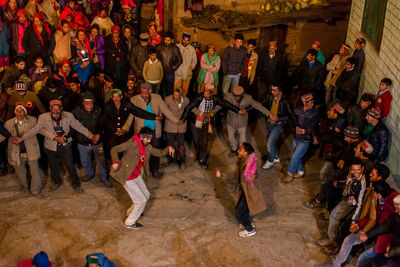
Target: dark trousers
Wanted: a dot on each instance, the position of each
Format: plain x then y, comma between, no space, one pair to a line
200,140
243,213
155,161
62,155
177,141
167,85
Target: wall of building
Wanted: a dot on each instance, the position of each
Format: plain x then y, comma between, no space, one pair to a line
385,63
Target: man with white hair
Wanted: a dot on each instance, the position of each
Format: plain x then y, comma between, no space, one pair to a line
26,151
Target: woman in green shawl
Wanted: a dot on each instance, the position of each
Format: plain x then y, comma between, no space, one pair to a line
210,64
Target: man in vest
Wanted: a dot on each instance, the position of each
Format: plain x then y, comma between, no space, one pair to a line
137,168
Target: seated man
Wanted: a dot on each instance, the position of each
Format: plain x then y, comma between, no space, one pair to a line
377,134
350,204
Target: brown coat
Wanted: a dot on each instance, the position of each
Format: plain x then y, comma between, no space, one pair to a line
158,107
31,144
130,159
254,196
170,126
369,209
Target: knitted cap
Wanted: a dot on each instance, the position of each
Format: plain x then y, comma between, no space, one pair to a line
375,113
20,106
351,132
20,86
145,86
187,35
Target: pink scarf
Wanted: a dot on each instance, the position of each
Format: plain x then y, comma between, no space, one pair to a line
251,168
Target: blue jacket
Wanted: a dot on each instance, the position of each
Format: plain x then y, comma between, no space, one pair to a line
379,139
307,120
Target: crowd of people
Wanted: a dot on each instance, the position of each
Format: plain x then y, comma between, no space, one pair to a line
79,87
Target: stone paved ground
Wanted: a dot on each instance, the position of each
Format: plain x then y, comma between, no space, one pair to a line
188,221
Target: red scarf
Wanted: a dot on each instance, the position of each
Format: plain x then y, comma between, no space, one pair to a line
142,151
40,16
86,45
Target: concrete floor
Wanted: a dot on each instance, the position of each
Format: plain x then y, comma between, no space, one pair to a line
188,221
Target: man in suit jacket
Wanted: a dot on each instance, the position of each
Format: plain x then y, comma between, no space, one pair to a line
56,127
25,152
271,70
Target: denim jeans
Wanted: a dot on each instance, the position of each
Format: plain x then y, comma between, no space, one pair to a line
347,245
85,153
272,133
230,81
299,150
366,257
337,215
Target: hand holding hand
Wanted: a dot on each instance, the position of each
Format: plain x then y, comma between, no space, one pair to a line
300,130
120,132
242,111
273,118
114,167
171,151
335,183
315,142
354,228
340,164
95,138
159,117
180,122
60,139
363,237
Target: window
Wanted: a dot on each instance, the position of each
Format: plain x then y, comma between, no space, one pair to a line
373,20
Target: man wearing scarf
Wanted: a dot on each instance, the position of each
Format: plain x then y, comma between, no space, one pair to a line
62,50
38,40
135,165
56,126
117,64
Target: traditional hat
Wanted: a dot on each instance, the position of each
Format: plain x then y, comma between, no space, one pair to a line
367,147
339,109
116,91
41,260
20,86
144,36
307,98
132,77
87,96
115,28
20,105
238,90
54,102
361,41
186,35
375,113
317,43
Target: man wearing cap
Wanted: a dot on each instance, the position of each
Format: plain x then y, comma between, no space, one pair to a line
233,63
335,68
336,124
279,106
171,59
175,133
118,114
237,122
26,152
56,126
320,56
377,134
335,166
309,75
390,226
89,115
307,119
117,63
200,112
29,99
270,71
139,55
131,84
132,168
152,103
183,74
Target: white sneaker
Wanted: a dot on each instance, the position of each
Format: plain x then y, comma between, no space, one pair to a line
267,165
245,233
299,174
276,160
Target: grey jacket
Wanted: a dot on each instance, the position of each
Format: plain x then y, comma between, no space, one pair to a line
45,127
247,102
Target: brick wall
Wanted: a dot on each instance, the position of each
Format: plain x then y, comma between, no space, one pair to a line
385,63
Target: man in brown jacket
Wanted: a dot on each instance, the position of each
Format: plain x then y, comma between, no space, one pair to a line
175,132
130,170
152,103
24,152
248,197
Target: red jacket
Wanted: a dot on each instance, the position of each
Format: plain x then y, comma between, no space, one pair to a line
382,213
383,100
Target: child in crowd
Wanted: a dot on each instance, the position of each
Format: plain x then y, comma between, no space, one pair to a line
384,98
153,71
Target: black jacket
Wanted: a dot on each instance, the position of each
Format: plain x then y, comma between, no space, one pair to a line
33,46
270,70
137,58
3,131
307,120
116,53
216,102
45,95
285,111
346,85
310,79
379,138
170,57
92,121
234,60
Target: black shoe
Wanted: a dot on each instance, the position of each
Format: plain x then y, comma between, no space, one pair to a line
78,189
313,203
107,183
156,174
54,187
203,164
134,226
87,178
183,166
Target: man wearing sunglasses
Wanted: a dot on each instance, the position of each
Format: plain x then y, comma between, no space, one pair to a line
237,122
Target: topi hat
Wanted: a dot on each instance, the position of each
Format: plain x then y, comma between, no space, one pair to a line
20,86
144,36
307,98
375,113
41,260
339,109
367,147
145,86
